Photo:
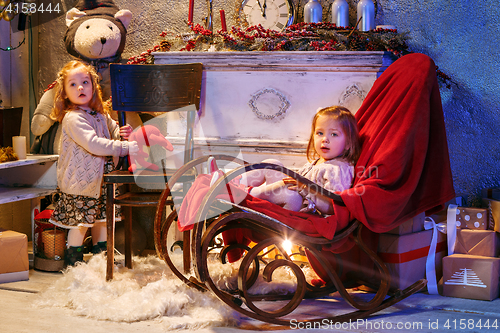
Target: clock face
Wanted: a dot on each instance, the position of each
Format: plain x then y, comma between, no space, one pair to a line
271,14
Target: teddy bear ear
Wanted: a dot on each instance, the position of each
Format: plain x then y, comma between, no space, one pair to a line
72,15
125,16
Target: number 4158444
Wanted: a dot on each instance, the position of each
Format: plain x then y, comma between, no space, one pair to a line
32,8
470,324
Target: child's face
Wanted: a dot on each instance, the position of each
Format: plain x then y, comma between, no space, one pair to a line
78,86
329,138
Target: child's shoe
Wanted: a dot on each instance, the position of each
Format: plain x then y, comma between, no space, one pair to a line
100,247
72,255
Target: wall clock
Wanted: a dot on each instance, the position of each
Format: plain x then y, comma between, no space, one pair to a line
271,14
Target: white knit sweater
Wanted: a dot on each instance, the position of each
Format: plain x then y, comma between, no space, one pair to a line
85,142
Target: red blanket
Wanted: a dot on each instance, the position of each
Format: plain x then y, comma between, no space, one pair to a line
403,169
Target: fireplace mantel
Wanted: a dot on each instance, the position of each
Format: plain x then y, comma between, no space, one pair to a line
261,103
296,61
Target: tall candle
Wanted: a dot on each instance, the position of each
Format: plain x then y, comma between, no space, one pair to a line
223,20
191,11
340,13
19,146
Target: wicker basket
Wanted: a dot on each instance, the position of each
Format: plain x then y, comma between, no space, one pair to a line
54,242
49,244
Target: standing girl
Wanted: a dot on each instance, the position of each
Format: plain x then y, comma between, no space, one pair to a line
88,140
332,151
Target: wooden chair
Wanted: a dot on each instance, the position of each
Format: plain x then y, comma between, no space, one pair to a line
148,88
411,115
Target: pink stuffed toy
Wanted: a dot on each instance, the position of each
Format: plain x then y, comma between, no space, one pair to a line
147,135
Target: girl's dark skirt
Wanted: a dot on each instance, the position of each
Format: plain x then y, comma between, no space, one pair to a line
74,211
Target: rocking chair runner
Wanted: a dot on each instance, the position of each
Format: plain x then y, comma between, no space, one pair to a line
403,170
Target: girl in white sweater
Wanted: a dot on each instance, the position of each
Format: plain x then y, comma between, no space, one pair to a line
332,151
89,139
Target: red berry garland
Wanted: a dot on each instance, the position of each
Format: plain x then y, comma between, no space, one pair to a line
322,36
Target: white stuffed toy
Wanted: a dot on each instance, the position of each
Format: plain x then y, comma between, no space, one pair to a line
96,32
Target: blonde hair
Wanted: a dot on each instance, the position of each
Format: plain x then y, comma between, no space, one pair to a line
349,126
62,104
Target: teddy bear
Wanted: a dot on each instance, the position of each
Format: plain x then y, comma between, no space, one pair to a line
96,33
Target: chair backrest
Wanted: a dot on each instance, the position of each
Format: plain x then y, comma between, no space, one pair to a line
157,88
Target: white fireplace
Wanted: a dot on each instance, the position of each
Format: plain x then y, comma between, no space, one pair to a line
260,104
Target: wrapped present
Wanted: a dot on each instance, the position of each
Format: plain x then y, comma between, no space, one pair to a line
473,277
472,218
493,207
478,242
14,264
406,255
415,224
460,200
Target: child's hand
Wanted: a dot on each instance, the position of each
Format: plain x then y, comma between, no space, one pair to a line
133,148
291,184
311,207
125,131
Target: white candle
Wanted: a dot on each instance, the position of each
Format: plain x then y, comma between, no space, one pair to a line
19,146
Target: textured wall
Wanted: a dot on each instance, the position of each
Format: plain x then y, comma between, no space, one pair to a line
461,36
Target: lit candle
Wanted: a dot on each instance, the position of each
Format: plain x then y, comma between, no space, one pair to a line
191,6
19,146
223,20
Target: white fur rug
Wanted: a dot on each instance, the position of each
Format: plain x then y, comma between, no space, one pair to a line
150,291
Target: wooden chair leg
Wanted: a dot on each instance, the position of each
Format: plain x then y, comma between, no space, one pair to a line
128,236
186,251
110,230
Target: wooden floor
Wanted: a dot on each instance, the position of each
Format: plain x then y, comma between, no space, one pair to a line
419,313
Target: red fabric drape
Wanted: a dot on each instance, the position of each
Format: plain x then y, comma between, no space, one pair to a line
404,167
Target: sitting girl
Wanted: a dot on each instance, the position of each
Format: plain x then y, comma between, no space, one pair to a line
332,151
89,138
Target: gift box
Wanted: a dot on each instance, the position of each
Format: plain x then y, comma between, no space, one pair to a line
478,242
473,277
459,200
415,224
14,264
405,256
472,218
493,207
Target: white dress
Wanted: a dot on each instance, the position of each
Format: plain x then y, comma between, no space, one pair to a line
334,175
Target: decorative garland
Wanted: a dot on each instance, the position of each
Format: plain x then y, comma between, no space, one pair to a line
323,36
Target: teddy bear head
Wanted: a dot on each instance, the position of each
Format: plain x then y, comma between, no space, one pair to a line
96,30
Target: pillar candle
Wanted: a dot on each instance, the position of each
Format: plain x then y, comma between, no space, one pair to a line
191,11
19,146
223,20
366,15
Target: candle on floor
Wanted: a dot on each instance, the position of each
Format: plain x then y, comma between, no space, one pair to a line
19,146
223,20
